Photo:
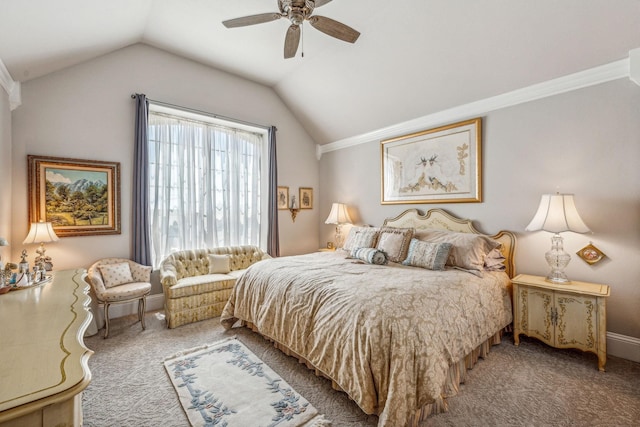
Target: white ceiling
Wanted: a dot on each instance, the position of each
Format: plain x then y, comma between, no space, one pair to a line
414,57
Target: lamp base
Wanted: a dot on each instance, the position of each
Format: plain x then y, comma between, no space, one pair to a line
557,259
555,279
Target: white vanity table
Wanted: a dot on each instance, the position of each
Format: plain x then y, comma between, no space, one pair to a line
43,359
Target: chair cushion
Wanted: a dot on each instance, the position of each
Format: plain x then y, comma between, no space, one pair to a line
116,274
197,285
126,292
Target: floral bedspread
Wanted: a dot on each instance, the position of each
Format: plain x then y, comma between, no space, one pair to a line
385,334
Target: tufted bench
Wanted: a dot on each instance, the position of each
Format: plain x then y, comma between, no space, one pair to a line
197,283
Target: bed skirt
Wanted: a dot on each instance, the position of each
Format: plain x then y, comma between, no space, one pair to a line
457,373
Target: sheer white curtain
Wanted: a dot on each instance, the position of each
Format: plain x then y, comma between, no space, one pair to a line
204,185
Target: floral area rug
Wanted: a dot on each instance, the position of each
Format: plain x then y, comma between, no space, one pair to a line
224,384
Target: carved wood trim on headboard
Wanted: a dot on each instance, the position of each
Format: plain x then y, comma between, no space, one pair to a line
441,220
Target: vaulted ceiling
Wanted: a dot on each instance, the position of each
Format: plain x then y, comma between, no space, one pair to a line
413,58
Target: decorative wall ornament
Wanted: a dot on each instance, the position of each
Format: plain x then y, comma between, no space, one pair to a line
441,165
306,197
283,198
590,254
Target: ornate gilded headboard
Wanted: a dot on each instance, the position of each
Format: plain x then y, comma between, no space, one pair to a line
442,220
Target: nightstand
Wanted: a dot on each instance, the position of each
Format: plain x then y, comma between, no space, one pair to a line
568,315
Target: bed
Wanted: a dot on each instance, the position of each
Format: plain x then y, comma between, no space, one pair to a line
398,339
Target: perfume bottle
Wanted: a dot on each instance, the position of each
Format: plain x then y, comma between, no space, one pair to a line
23,266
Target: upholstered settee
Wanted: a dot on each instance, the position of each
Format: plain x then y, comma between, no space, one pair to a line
197,283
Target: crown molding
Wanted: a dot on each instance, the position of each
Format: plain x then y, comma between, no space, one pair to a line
591,77
11,87
634,66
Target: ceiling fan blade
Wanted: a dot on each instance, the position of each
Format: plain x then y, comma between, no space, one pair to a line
319,3
334,28
251,20
291,41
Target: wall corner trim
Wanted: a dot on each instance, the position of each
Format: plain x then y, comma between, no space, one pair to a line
10,86
582,79
634,65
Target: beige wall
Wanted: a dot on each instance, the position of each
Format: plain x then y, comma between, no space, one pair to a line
5,167
86,112
585,142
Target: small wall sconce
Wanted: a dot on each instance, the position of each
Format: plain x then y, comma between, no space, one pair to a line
294,209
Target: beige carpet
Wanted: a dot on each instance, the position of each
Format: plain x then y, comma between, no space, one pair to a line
530,385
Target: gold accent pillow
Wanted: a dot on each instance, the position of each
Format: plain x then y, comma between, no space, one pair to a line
394,242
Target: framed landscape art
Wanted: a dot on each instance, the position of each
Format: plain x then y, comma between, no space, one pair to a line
78,197
441,165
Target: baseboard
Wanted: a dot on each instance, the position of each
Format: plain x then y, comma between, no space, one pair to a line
618,345
623,346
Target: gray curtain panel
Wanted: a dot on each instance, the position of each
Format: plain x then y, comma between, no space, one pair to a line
273,236
141,241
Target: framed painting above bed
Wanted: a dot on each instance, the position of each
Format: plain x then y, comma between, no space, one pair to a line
441,165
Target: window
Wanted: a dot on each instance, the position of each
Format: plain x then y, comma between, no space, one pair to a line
207,182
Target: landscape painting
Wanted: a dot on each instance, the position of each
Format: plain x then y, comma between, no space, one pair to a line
78,197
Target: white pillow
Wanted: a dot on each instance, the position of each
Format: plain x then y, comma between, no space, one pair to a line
219,264
116,274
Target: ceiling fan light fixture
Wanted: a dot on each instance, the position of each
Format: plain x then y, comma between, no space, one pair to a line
296,18
298,11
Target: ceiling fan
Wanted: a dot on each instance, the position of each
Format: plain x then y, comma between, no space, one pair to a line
298,11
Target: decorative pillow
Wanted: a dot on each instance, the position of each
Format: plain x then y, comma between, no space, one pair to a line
219,264
361,237
495,261
431,256
469,250
116,274
370,255
394,242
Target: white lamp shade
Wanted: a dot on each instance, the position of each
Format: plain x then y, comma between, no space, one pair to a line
41,232
338,214
557,213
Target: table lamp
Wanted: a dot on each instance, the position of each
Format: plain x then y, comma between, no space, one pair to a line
557,213
338,216
41,232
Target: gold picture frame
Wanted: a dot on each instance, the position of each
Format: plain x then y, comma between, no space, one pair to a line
440,165
283,198
305,197
78,197
590,254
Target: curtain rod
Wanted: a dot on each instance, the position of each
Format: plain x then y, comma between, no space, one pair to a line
216,116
